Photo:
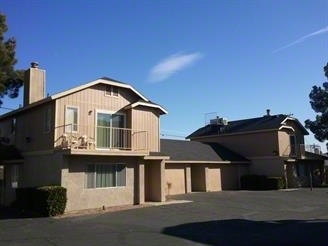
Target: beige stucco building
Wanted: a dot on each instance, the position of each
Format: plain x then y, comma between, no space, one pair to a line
95,139
101,141
274,144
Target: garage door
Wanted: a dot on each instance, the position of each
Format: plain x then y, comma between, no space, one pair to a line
175,179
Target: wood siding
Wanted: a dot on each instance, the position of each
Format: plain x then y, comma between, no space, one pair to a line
90,100
146,119
29,133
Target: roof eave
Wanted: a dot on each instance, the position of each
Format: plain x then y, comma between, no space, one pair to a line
147,104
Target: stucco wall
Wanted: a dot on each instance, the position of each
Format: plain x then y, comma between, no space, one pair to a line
268,166
213,178
175,176
198,177
80,197
40,170
155,180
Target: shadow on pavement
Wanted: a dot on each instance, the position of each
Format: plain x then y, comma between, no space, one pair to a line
246,232
14,213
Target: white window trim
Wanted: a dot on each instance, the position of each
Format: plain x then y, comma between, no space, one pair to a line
110,93
104,111
109,187
78,118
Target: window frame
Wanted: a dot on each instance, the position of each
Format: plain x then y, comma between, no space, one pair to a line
66,124
13,125
47,120
102,111
111,91
94,165
293,144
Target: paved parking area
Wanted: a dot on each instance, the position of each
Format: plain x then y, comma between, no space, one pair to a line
298,217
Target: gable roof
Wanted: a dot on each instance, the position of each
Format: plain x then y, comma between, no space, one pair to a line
103,80
146,104
270,122
181,150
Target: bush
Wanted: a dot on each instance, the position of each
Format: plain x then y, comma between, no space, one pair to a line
274,183
252,182
52,200
46,200
261,182
24,198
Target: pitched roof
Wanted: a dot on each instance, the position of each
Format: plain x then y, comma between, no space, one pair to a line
271,122
103,80
146,104
181,150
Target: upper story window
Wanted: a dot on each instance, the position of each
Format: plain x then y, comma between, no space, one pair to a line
111,90
292,141
71,119
47,120
13,125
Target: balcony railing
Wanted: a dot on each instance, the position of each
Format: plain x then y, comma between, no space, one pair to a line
298,150
100,138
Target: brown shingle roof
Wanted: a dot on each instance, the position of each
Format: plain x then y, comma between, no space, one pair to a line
246,125
181,150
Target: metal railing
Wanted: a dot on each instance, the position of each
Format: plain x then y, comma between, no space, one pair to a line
298,150
100,138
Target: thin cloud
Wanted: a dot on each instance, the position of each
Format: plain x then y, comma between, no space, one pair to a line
302,39
171,65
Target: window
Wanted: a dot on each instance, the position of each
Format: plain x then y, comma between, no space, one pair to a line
14,176
105,175
47,120
111,90
110,132
13,125
71,119
292,141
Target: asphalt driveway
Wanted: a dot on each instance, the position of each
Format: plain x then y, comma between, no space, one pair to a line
297,218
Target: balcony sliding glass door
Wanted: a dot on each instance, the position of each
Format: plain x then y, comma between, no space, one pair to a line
110,130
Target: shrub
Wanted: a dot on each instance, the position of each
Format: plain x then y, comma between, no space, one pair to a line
274,183
46,200
51,200
261,182
252,182
24,198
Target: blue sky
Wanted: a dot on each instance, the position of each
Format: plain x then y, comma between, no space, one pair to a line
235,58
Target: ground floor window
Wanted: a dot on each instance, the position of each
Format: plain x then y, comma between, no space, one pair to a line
105,175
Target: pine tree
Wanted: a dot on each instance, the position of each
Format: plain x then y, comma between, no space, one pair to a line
10,78
319,103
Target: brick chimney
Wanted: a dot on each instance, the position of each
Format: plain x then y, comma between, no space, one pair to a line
34,84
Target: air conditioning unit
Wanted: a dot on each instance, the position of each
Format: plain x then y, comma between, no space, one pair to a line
219,121
215,121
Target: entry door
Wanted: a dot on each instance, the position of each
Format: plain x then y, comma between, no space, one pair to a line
109,130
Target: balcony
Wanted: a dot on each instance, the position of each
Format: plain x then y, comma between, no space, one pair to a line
298,150
88,138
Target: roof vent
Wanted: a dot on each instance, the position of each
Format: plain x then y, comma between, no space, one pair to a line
268,112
